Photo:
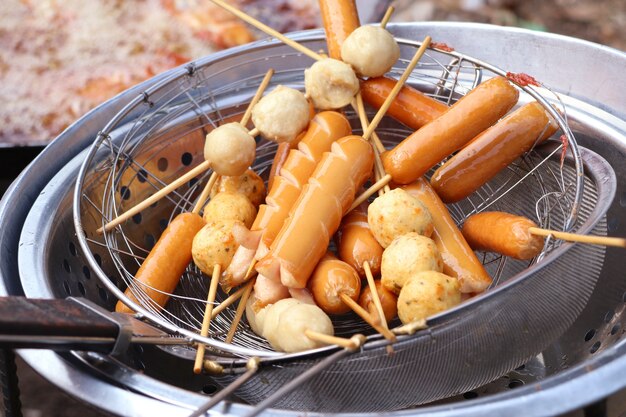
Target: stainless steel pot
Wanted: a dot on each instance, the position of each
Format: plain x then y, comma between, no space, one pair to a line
599,130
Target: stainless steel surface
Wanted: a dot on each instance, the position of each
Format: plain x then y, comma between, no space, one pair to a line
603,133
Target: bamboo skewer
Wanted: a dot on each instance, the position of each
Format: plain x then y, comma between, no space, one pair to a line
387,16
351,344
208,313
573,237
205,193
365,315
375,297
241,308
230,300
370,191
257,96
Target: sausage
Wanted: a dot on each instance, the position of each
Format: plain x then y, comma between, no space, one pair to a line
357,245
282,151
503,233
317,213
459,260
492,151
331,278
410,107
160,272
388,300
324,129
340,18
472,114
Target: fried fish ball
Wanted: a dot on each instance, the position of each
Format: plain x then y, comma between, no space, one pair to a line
330,83
371,50
406,256
230,149
255,315
230,206
282,114
396,213
272,316
249,184
427,293
214,244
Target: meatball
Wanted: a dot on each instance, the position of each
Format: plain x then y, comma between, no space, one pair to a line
230,149
396,213
330,83
331,278
230,206
214,244
249,184
406,256
286,322
371,51
388,300
426,294
282,114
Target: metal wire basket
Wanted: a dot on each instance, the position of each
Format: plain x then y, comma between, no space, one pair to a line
160,135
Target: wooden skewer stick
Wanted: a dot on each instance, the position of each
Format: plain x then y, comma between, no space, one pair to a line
241,308
257,96
411,328
573,237
155,197
365,315
205,193
360,109
267,30
375,296
230,300
351,344
396,89
371,190
208,314
387,16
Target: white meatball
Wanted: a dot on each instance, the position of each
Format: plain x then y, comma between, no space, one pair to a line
230,149
408,255
298,318
396,213
255,316
214,244
272,317
230,206
330,83
282,114
371,51
426,294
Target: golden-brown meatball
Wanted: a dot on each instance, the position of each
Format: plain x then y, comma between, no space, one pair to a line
406,256
427,293
230,149
371,50
330,83
230,206
282,114
396,213
214,244
249,184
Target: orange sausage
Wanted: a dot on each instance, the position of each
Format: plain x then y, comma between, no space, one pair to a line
316,216
504,233
492,151
459,260
166,262
356,243
410,106
331,278
472,114
388,300
279,160
340,18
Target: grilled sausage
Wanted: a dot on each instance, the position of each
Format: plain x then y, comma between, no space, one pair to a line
475,112
388,300
492,151
357,245
410,106
282,151
161,270
459,260
331,278
340,18
505,233
316,216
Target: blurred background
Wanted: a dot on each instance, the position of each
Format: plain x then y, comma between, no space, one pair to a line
60,58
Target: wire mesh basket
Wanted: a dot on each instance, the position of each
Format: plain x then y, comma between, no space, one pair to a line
160,135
